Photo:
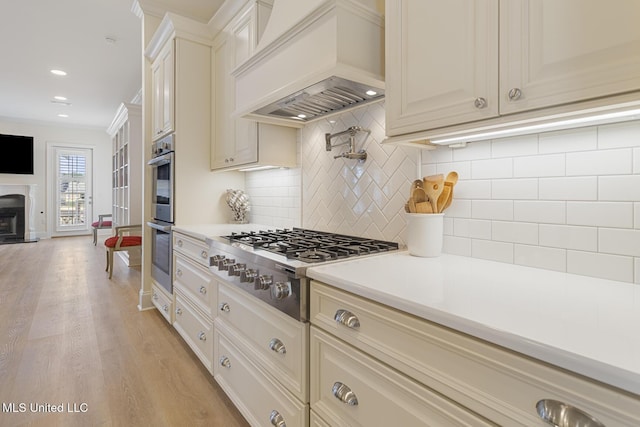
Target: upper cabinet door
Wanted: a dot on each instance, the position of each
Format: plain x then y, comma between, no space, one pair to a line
442,63
162,82
558,52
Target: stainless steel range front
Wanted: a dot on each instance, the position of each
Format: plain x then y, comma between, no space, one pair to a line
271,265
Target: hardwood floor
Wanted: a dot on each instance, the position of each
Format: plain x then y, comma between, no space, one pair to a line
72,337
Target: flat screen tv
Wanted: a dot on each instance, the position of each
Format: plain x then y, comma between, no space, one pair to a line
17,154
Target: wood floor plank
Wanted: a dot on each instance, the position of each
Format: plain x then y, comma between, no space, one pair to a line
71,336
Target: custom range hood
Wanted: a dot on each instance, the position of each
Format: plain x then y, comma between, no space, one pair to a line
315,58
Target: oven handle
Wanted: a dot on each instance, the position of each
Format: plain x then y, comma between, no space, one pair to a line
165,228
165,158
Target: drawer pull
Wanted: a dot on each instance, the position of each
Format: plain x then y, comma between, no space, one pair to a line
155,296
165,308
202,336
347,318
515,94
277,419
344,394
225,362
277,346
560,414
180,243
203,290
179,311
225,307
179,273
204,254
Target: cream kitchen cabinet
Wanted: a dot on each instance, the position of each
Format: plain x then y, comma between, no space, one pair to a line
195,291
241,143
462,61
491,382
162,86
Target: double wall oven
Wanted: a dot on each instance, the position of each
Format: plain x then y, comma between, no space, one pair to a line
162,209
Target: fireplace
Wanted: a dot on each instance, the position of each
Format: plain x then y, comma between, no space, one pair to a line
12,218
17,206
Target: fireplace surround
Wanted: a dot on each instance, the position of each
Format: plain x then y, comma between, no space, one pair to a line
17,204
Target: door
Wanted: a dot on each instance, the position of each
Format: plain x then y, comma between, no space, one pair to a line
442,63
556,52
72,197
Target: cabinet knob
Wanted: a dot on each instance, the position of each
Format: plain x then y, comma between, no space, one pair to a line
277,346
179,243
225,307
560,414
224,361
165,308
155,296
179,311
344,394
277,419
515,94
347,318
480,102
203,290
202,336
179,273
204,254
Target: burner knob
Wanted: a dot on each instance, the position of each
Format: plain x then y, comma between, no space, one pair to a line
248,275
226,263
217,260
263,282
236,269
280,290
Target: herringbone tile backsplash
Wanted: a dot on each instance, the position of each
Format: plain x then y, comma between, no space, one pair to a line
345,196
340,195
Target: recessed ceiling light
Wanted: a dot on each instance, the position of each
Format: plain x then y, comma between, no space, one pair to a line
302,116
63,115
59,72
60,98
371,92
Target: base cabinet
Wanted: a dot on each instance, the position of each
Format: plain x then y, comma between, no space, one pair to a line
499,385
195,328
260,399
163,302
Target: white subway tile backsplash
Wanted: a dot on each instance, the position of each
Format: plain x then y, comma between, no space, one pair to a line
600,162
600,214
574,188
636,160
492,168
459,209
457,245
492,209
619,188
538,166
541,257
439,155
474,151
473,189
546,212
569,237
613,267
514,189
618,135
619,241
474,228
582,139
636,215
515,232
637,270
462,168
525,145
493,251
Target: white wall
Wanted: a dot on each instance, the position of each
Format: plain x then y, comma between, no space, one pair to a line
44,133
566,201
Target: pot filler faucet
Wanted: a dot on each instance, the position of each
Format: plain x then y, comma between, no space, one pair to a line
361,155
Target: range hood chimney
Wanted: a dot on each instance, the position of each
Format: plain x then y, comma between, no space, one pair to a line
315,58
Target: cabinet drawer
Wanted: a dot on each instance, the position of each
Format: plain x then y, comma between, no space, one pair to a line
499,384
316,421
350,388
195,249
281,341
163,303
256,395
196,331
197,283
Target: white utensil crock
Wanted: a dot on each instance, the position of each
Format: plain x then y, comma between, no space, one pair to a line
425,234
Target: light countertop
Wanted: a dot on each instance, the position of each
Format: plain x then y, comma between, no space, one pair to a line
205,231
583,324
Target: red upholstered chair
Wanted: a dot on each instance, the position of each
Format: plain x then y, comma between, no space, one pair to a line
123,240
99,225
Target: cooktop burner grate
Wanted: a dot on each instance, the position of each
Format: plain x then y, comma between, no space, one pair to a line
311,246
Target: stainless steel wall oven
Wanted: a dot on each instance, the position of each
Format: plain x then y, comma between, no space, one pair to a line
162,209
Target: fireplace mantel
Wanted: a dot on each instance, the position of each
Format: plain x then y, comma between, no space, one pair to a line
29,193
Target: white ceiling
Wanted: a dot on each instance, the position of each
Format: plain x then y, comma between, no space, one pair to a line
39,35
